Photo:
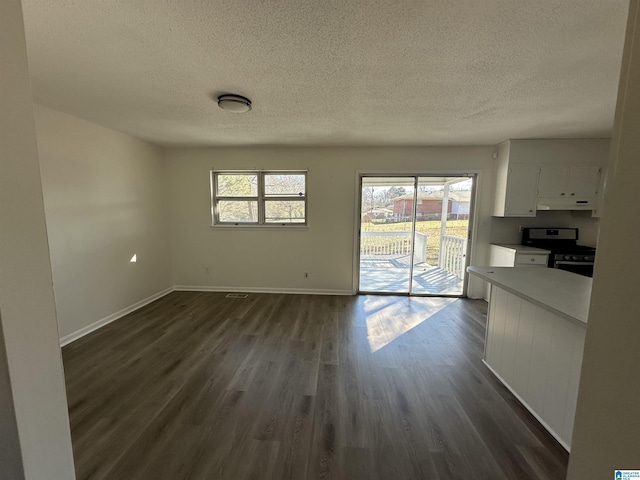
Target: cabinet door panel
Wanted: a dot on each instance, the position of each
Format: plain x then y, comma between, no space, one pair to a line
522,189
501,257
553,180
584,181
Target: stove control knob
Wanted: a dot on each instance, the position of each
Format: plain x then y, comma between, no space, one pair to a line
575,258
567,257
589,258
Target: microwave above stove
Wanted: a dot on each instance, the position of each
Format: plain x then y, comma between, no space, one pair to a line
566,254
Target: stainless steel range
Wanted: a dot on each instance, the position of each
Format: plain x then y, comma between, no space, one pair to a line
566,254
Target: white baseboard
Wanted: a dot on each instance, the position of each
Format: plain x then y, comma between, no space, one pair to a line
564,444
67,339
299,291
475,297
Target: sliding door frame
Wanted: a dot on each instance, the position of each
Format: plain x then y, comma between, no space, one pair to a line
472,226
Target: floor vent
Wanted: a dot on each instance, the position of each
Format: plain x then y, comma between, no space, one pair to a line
237,295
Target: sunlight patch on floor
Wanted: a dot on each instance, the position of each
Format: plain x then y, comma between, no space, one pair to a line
387,319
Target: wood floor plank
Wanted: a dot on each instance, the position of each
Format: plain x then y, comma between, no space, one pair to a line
200,386
326,427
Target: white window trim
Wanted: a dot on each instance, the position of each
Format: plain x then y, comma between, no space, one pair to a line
260,199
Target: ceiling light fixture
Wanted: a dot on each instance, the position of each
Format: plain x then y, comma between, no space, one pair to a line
234,103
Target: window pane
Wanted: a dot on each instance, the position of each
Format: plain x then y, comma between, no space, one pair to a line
284,185
238,211
237,185
284,211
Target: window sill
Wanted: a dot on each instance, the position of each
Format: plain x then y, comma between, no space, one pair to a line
259,227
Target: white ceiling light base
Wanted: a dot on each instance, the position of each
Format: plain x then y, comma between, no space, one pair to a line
234,103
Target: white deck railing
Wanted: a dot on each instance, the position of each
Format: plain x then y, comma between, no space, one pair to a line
393,243
452,255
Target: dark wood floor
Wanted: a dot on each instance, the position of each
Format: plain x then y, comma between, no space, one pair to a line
199,386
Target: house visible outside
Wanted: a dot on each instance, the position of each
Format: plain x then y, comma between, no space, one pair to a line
429,206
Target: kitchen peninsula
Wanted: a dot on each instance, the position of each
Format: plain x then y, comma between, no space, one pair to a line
534,341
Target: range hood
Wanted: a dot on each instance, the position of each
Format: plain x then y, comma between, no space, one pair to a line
566,204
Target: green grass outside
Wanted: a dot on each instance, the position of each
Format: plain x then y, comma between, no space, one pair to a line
455,228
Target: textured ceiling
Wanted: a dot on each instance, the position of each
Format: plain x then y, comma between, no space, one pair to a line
348,72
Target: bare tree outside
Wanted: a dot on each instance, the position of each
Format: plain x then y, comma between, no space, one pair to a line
290,191
240,196
238,185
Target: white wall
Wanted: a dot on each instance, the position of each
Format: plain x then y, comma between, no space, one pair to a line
606,434
559,150
277,259
31,352
105,200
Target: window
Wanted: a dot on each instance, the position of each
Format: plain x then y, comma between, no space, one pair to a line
259,198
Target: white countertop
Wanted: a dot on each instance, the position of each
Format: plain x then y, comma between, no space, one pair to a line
522,249
563,293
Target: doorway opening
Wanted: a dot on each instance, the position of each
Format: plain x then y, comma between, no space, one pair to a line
415,234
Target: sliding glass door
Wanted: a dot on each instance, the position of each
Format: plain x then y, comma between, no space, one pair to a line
414,234
386,234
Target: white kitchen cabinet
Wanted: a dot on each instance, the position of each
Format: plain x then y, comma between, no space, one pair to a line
516,192
569,180
548,174
553,180
597,211
531,260
584,180
517,256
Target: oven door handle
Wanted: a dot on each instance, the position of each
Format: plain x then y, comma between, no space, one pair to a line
566,262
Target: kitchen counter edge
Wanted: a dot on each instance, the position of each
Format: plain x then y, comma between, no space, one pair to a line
562,293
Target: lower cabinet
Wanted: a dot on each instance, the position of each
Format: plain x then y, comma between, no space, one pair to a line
538,356
503,256
500,256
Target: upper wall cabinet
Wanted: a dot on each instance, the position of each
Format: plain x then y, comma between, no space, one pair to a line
568,187
549,175
553,180
520,194
569,180
516,187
